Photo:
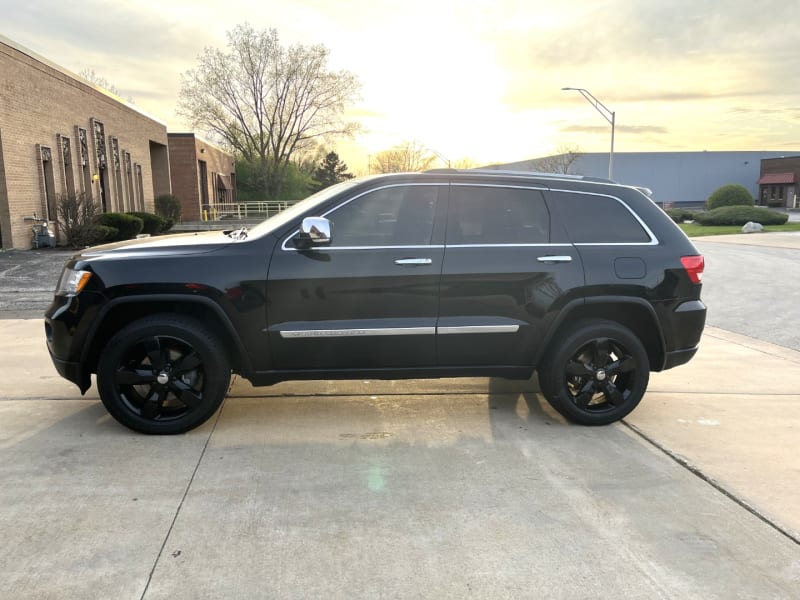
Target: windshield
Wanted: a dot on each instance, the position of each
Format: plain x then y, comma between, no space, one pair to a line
291,213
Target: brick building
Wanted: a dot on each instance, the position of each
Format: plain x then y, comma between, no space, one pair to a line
203,176
777,185
60,134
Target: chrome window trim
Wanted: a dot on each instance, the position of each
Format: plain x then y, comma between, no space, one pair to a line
653,239
348,201
327,249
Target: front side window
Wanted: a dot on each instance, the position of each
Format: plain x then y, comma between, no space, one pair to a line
496,215
593,219
393,216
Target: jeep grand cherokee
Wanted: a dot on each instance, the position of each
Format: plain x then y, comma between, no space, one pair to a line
438,274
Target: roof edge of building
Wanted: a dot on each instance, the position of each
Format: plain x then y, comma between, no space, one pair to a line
56,67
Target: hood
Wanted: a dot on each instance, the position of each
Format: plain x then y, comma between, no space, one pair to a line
163,245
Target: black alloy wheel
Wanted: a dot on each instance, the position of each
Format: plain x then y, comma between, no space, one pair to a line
597,375
163,374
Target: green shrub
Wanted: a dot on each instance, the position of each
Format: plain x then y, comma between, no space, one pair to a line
153,224
732,194
127,226
739,215
103,233
169,207
679,215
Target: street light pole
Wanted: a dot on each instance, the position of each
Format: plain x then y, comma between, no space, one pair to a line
608,114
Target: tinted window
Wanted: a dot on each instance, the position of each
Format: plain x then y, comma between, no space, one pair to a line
394,216
592,219
497,215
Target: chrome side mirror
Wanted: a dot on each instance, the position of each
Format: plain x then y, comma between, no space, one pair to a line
314,231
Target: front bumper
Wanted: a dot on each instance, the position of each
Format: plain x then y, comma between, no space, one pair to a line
72,371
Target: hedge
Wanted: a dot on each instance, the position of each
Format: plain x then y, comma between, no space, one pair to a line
128,226
739,215
153,224
679,215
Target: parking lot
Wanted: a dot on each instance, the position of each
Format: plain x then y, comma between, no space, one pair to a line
436,489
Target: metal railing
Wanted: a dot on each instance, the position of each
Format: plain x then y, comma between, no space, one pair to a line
243,210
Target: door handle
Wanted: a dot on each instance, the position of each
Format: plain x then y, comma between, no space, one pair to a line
554,259
413,262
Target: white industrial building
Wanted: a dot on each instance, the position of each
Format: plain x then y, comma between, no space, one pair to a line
674,177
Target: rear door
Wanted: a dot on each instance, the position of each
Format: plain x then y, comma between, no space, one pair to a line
370,299
503,280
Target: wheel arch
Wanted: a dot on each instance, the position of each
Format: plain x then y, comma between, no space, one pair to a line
121,311
634,313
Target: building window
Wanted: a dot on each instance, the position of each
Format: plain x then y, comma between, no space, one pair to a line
48,187
129,180
115,162
66,156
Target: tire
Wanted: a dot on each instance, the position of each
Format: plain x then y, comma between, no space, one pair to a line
596,373
163,374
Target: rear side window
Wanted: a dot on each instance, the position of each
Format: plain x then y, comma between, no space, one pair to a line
593,219
496,215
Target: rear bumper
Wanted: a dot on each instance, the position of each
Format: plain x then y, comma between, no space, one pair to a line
679,357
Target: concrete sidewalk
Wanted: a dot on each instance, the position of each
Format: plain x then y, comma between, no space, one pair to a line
442,489
772,239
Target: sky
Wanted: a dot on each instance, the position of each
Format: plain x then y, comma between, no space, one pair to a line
476,80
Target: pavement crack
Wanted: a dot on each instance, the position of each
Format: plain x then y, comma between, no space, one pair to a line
180,504
698,472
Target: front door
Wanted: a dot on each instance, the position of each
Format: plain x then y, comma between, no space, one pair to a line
370,298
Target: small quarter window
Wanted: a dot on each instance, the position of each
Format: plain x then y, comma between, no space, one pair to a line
593,219
497,215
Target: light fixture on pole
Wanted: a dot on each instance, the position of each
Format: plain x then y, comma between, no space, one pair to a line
608,115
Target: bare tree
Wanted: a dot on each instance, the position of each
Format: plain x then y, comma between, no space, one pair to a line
563,161
265,101
465,163
92,77
406,157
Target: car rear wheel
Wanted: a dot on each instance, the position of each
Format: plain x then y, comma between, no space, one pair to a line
596,373
163,374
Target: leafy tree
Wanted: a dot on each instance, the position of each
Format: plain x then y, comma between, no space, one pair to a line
267,102
408,156
330,171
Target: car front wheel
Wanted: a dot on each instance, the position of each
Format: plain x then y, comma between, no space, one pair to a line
163,374
596,373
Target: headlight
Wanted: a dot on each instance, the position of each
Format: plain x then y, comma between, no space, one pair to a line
72,282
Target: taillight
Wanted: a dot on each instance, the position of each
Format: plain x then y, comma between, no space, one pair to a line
694,266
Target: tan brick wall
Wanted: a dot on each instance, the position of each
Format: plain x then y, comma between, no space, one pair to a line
39,102
185,152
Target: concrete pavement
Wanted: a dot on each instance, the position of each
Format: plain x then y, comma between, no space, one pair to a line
442,489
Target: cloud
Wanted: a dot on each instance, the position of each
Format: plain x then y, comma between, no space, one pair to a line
604,129
646,51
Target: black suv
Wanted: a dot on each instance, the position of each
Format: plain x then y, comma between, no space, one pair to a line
440,274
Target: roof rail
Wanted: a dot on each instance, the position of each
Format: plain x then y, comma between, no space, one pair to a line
539,174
